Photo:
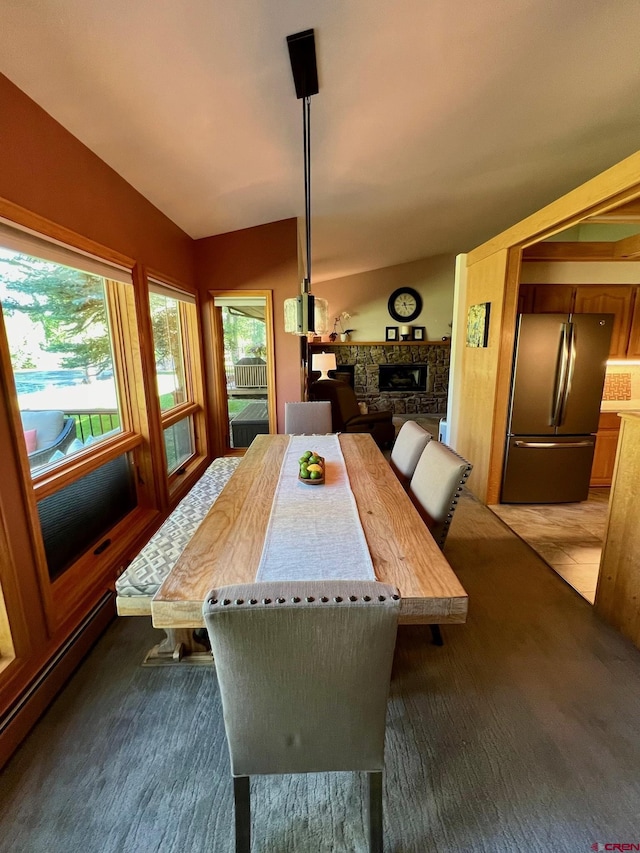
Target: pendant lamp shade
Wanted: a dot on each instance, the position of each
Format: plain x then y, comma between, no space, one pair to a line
306,313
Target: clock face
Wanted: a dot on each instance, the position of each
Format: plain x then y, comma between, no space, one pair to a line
405,304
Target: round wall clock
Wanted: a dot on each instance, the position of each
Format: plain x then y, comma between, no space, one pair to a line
405,304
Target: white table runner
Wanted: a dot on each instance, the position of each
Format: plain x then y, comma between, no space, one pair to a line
314,532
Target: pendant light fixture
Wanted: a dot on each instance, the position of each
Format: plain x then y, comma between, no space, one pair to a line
305,313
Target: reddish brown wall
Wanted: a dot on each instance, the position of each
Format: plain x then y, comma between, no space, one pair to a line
46,170
49,172
261,258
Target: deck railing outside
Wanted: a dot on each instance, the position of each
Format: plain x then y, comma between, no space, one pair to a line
250,375
95,423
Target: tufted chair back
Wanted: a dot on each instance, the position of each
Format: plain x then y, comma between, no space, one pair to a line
304,670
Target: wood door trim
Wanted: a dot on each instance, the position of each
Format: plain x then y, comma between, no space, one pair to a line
221,438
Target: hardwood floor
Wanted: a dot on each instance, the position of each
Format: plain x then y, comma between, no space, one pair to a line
567,536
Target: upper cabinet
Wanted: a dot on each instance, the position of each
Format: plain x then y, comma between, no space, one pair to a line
609,299
547,299
617,299
633,349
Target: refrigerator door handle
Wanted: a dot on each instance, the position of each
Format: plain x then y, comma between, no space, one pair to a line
571,366
546,445
560,391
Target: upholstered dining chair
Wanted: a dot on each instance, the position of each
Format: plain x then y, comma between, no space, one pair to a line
304,670
308,418
434,490
407,449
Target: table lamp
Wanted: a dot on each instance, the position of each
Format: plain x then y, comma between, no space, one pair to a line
323,361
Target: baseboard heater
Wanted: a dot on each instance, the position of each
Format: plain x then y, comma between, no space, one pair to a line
94,622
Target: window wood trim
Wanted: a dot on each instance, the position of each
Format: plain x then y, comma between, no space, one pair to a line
195,405
20,216
90,575
50,482
178,413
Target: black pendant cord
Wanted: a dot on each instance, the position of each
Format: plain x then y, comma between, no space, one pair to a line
306,133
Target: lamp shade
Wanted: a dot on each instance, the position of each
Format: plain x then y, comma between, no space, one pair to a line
323,361
306,313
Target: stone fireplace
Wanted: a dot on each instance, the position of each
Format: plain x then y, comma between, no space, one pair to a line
421,372
402,377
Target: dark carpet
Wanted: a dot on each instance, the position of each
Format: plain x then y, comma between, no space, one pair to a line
521,733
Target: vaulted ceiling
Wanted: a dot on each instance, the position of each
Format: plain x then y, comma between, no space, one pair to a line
437,124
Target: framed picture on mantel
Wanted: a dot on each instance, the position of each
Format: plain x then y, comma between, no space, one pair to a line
418,333
391,333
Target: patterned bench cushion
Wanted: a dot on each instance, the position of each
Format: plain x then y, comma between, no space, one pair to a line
148,570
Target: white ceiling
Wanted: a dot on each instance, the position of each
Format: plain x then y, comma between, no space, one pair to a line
438,122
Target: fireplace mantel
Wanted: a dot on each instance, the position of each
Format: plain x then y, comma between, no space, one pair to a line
352,343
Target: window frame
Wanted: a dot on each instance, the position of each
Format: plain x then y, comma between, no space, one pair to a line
46,481
69,593
193,407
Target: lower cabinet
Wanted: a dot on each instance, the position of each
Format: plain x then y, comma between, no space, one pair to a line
605,452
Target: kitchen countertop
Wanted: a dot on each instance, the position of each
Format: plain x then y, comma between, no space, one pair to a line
620,406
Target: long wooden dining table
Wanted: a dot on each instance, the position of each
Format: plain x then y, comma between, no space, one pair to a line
227,546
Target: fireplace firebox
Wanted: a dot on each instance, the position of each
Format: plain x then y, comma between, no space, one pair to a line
403,377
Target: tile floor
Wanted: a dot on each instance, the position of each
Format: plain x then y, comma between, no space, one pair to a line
567,536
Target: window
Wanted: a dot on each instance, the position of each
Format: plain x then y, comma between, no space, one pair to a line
57,317
69,328
175,343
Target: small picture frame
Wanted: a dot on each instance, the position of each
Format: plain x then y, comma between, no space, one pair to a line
478,325
419,333
391,333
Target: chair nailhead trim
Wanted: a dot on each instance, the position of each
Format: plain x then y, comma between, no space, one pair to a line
296,599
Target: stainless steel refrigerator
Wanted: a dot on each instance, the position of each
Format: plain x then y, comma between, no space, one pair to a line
556,391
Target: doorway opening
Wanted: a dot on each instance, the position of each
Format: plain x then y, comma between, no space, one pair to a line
580,271
243,363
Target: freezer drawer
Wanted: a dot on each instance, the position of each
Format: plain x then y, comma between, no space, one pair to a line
547,469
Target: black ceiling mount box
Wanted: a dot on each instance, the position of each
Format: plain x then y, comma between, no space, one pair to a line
302,53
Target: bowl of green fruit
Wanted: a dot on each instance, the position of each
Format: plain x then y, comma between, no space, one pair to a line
311,468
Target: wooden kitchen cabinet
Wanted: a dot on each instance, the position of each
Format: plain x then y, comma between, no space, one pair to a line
605,452
633,350
546,298
609,299
617,299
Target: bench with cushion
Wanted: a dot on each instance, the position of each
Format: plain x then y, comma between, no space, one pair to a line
140,581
